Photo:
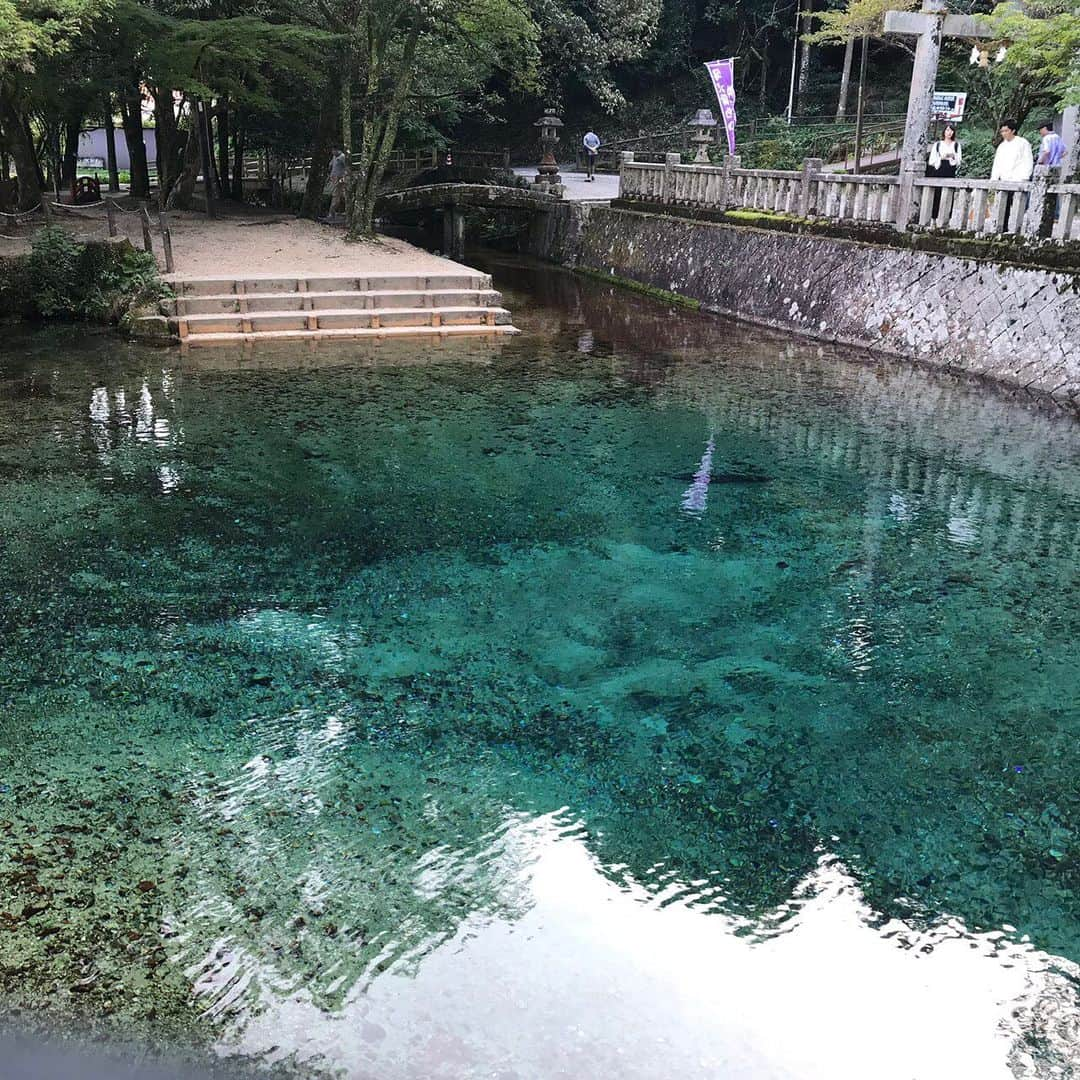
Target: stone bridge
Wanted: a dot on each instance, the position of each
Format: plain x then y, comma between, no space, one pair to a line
454,199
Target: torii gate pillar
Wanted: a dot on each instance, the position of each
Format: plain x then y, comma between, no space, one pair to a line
930,25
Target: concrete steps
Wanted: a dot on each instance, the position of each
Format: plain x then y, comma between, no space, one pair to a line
209,311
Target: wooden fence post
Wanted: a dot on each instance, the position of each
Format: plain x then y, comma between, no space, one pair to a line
166,240
46,209
110,215
144,217
810,168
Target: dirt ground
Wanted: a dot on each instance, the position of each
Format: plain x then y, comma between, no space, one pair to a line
241,240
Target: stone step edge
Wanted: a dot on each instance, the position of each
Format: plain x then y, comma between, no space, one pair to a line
474,278
338,292
178,305
322,313
225,338
341,275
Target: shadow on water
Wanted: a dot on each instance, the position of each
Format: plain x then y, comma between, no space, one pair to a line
353,696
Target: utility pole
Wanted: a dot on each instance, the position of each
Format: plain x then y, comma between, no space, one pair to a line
859,103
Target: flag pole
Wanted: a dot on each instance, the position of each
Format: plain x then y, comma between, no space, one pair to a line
794,63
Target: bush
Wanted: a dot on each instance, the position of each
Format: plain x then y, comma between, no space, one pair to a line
64,278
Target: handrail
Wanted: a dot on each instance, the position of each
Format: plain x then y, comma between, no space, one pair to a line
963,205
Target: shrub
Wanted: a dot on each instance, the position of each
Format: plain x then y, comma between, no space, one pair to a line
64,278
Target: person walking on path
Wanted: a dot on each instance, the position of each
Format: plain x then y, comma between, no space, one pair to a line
945,157
592,144
1013,162
339,172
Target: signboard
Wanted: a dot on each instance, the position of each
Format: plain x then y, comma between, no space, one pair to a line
722,73
91,163
948,106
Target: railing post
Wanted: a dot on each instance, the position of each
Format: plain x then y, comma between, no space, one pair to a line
667,190
905,195
110,216
1031,224
625,157
810,168
727,191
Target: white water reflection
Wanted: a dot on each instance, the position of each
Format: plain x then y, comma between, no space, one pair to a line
599,978
114,425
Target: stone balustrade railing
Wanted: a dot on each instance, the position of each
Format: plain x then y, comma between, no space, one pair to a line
988,207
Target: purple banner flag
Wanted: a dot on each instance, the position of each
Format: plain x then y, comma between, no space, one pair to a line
722,73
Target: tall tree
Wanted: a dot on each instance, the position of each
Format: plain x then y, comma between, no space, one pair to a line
31,33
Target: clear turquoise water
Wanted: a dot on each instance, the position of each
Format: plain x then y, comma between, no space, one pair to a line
412,713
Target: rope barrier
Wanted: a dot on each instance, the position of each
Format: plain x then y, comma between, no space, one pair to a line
22,213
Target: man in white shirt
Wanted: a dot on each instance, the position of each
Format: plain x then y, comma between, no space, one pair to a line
1013,161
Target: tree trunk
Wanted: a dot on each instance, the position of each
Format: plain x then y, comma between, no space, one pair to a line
131,114
206,154
239,138
845,79
22,153
346,112
56,159
72,129
184,188
325,134
168,141
39,153
378,138
223,146
805,57
110,146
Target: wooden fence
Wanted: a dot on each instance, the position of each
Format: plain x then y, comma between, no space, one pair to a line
982,207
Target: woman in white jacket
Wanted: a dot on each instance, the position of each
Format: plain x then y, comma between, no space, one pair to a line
944,161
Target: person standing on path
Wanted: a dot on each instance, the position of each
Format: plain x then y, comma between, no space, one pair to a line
339,172
945,157
1014,162
592,144
1052,146
1051,154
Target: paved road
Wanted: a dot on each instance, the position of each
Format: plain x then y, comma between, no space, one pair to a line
602,189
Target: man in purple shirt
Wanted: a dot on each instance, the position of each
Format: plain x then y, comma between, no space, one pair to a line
1052,153
1052,147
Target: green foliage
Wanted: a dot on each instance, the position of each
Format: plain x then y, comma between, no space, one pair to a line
858,18
63,278
1042,46
32,29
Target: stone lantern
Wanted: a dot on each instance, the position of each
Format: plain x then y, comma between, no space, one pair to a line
702,123
547,171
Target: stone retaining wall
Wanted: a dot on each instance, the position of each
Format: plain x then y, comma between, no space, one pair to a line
1016,326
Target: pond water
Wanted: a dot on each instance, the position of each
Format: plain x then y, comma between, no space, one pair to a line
426,713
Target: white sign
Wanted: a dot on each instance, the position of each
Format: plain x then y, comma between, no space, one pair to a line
948,106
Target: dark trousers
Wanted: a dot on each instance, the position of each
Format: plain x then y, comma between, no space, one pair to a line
590,163
945,171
